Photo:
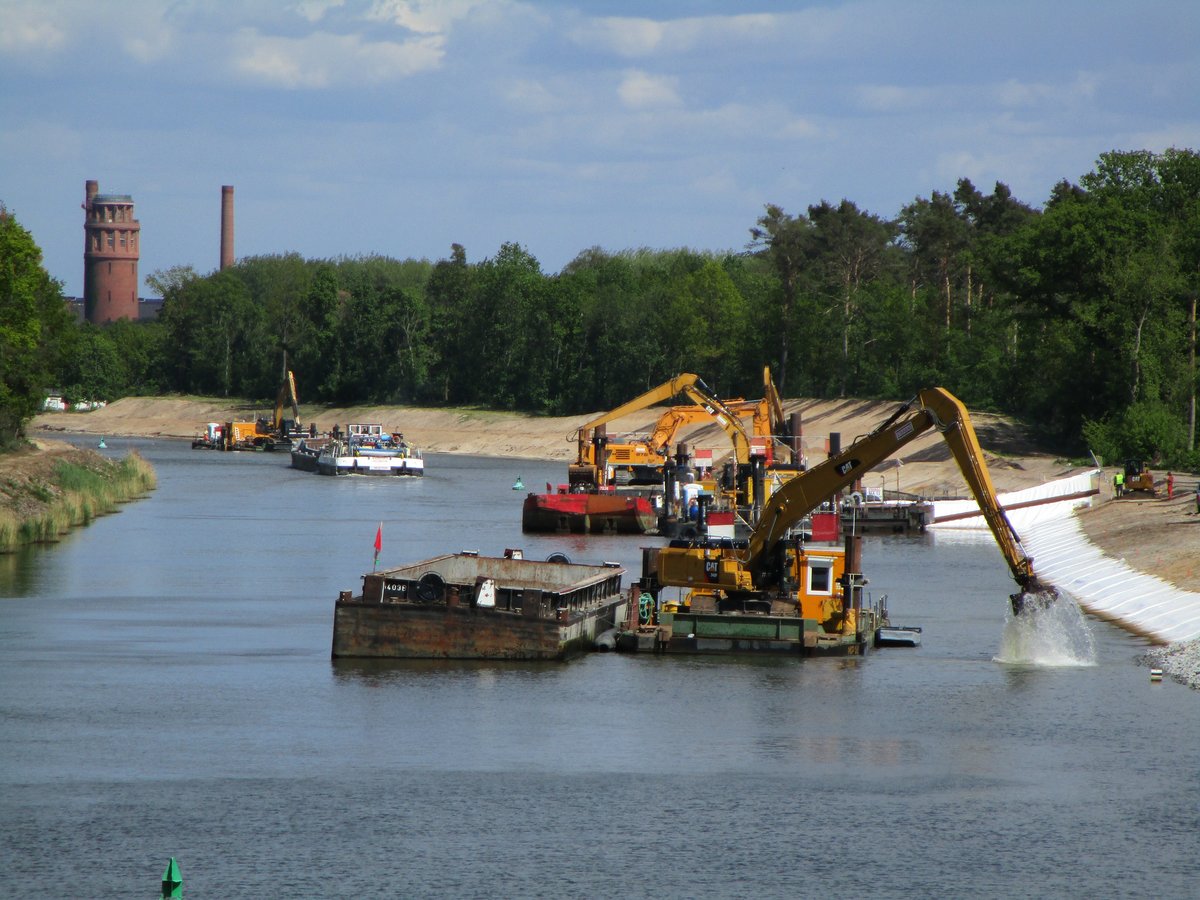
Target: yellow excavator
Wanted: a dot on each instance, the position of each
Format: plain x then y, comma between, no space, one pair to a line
1138,478
286,396
766,567
642,460
284,432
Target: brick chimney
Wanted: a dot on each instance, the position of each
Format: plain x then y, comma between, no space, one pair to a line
226,226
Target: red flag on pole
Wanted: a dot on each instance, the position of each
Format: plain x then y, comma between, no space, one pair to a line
378,543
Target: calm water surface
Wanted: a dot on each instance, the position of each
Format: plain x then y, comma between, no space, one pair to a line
166,690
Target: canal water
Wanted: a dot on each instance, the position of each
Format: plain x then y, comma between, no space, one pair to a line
166,690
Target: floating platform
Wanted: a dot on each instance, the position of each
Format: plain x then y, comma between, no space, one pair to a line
898,636
741,633
467,606
824,610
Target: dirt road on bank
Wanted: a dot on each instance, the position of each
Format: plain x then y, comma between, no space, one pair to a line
1159,536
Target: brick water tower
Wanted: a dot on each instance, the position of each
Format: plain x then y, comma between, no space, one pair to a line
110,256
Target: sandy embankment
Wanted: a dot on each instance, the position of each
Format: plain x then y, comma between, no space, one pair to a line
1155,536
925,465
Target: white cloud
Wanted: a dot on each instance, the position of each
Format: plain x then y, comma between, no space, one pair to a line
640,90
148,40
314,10
1016,94
532,97
638,37
30,29
626,37
426,16
322,60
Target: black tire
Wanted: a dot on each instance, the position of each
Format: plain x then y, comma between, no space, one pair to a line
431,588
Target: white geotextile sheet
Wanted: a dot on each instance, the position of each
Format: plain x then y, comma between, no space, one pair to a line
1063,556
1030,515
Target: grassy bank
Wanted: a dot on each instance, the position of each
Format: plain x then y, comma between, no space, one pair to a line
46,493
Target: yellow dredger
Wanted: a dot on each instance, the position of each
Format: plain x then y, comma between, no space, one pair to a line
771,575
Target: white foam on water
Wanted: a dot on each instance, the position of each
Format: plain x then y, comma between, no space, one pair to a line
1054,634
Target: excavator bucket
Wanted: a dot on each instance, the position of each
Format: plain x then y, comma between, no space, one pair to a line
1035,595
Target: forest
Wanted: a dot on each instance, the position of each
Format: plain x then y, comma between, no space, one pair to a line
1077,317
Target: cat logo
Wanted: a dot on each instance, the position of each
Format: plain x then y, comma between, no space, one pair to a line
847,466
712,569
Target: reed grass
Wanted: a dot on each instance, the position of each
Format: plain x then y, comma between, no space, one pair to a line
76,495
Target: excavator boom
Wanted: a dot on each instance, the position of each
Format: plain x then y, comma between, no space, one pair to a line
286,395
589,466
664,391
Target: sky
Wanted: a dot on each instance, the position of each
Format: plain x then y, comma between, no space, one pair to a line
401,127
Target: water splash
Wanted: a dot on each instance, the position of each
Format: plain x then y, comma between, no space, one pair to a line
1056,634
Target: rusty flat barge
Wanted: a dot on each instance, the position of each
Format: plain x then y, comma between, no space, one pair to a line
467,606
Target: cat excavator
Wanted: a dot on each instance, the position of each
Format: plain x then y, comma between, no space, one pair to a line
765,567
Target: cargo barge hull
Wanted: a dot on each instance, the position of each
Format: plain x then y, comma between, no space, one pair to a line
465,606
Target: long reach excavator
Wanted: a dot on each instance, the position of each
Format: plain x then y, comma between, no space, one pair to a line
765,567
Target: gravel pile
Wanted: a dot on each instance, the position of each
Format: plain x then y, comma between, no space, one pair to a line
1180,661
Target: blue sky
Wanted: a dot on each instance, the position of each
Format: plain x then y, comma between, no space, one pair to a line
399,127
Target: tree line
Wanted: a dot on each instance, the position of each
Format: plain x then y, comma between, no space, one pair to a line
1078,317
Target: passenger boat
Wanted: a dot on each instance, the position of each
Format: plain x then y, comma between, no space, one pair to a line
601,512
367,449
467,606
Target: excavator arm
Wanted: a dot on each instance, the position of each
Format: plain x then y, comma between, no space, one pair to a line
776,420
589,466
664,391
932,408
669,423
286,395
730,422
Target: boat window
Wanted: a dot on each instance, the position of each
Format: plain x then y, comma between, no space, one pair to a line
820,576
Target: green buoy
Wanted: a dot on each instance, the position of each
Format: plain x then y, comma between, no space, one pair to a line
172,881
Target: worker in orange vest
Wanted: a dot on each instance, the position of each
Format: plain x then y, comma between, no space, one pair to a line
1170,485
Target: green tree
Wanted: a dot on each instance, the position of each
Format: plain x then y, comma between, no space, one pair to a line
94,369
449,292
279,285
216,334
786,242
850,250
34,323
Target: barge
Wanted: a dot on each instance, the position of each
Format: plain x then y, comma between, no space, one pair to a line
467,606
367,449
606,512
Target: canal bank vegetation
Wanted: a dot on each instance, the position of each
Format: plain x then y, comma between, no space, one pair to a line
47,490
